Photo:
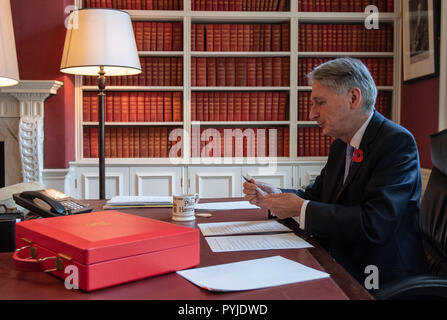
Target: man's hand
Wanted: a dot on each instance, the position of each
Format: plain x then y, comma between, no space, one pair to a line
283,205
253,196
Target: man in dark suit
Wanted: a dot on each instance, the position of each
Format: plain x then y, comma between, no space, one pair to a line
364,206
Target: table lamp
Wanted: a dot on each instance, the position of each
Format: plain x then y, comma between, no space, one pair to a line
9,70
100,42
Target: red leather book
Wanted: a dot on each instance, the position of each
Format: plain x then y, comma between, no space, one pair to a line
160,36
240,37
199,106
246,37
237,114
132,106
113,146
211,72
107,142
194,106
225,37
109,107
161,71
200,37
152,106
99,243
256,36
241,72
136,142
201,72
205,109
267,37
245,106
167,71
267,63
86,112
285,36
285,71
139,33
286,152
86,142
220,72
276,36
177,106
209,37
119,142
146,36
160,107
223,106
150,142
282,110
210,98
253,108
217,38
230,106
251,72
153,39
164,139
277,71
124,106
216,103
230,72
261,107
268,106
125,141
167,106
275,106
157,142
179,71
193,71
140,106
280,142
233,37
193,36
116,106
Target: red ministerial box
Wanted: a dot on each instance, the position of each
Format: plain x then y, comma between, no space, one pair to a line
107,248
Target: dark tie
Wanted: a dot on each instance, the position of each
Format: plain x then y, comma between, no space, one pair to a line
349,152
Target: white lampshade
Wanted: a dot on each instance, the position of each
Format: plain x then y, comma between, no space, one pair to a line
100,37
9,69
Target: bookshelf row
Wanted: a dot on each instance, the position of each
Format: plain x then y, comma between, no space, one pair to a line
235,85
164,142
135,4
244,5
344,38
156,71
344,5
135,107
158,36
239,106
240,37
381,69
240,72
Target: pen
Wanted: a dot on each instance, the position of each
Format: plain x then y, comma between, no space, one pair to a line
262,192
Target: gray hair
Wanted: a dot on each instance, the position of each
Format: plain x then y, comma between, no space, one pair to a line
344,74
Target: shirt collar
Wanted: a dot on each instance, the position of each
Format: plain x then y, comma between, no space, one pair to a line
357,138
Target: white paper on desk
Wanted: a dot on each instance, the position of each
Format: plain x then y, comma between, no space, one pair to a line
251,274
238,227
231,205
257,242
139,200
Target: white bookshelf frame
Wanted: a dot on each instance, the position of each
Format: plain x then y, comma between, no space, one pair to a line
188,17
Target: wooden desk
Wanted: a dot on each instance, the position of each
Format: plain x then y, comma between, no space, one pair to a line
340,286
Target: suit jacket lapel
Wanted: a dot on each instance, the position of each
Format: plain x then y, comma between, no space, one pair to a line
369,135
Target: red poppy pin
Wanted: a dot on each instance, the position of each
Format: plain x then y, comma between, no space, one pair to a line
357,156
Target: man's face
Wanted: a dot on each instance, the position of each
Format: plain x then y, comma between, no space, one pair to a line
330,110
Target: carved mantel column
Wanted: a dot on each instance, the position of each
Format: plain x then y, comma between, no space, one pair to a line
31,96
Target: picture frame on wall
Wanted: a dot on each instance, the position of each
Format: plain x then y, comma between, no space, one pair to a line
420,45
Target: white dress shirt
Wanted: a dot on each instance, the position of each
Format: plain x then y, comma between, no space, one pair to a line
355,142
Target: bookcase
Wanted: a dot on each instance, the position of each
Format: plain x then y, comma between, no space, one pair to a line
223,82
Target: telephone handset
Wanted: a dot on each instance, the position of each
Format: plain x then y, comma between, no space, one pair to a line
50,203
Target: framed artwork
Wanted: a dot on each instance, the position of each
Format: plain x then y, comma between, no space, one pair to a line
420,43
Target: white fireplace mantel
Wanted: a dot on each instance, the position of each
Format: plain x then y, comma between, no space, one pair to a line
26,101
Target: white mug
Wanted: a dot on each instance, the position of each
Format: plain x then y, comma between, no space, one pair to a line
183,207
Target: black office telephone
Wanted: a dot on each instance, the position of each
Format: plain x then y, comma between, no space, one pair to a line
50,203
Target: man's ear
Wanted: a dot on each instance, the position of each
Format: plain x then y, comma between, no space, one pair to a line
355,98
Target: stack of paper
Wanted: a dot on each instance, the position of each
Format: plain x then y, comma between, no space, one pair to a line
230,236
251,274
138,201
